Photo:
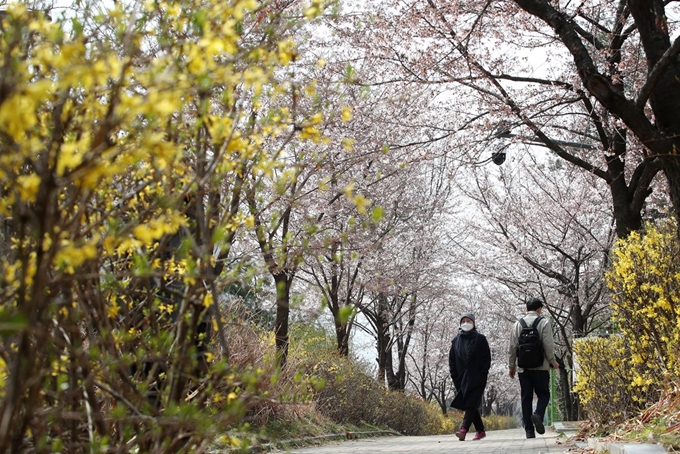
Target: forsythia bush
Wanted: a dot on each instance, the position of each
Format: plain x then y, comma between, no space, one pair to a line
128,133
499,422
491,422
626,372
645,284
604,378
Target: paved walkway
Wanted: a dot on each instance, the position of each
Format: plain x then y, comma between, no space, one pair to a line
511,441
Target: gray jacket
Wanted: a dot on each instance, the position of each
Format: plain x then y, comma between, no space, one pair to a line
544,331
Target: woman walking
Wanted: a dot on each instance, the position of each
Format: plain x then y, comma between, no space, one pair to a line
469,363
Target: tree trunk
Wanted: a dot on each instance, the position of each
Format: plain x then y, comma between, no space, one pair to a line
671,168
341,331
440,395
664,98
628,200
488,399
283,283
567,401
384,342
342,338
392,378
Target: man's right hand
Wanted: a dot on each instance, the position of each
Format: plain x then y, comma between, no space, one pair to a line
555,365
512,372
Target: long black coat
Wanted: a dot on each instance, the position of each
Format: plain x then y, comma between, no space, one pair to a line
469,377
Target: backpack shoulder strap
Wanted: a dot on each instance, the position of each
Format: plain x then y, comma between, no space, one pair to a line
523,322
536,322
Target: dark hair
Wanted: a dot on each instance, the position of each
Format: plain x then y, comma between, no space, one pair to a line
534,303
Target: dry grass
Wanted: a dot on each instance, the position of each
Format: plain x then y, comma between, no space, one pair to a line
667,408
659,423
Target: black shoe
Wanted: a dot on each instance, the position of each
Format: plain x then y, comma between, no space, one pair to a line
538,424
531,434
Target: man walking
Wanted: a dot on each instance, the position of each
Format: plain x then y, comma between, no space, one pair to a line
532,354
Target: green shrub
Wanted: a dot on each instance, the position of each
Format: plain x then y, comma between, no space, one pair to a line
351,396
491,422
500,422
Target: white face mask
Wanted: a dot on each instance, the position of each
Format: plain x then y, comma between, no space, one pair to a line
466,326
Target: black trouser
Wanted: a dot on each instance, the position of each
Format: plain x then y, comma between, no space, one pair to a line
472,416
530,382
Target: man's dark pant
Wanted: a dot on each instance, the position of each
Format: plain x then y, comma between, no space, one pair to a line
472,416
530,382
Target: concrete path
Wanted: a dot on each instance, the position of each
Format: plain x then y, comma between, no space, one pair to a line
496,442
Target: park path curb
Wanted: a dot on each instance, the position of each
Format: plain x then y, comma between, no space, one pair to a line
348,435
614,448
625,448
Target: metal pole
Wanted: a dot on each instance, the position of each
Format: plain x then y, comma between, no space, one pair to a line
552,396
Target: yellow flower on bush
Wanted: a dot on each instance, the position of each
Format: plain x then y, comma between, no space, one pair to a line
154,229
28,186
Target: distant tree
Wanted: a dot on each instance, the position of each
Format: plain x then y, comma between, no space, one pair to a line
402,280
428,366
386,158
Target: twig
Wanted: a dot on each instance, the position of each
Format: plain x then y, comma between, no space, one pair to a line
123,399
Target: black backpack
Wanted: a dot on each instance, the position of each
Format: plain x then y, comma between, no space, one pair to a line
529,347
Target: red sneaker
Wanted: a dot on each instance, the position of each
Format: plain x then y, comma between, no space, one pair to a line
479,435
461,433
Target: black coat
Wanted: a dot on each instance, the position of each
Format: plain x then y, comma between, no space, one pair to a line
469,375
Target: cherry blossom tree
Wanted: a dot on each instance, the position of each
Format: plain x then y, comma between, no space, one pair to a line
392,160
428,365
624,58
509,78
